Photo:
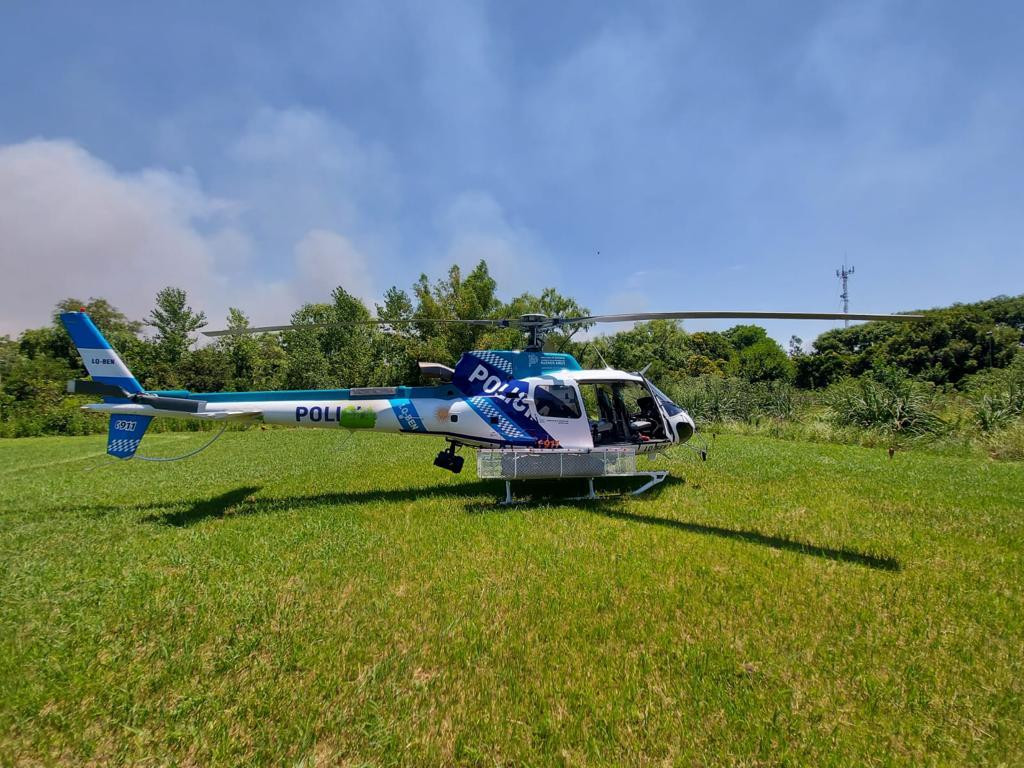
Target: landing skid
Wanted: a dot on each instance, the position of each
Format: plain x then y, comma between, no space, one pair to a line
654,477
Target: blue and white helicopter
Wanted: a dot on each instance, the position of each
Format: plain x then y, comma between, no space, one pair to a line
530,413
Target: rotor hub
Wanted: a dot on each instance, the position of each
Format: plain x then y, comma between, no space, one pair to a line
535,319
537,328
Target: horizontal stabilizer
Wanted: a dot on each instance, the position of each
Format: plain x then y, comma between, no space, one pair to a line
86,387
160,402
140,409
180,404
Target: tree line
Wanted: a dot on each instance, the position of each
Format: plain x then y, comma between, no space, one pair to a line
163,353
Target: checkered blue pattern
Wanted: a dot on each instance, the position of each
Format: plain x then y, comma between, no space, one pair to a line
125,433
505,426
123,447
495,361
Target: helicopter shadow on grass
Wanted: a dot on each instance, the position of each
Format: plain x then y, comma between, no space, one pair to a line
610,507
481,496
762,539
239,501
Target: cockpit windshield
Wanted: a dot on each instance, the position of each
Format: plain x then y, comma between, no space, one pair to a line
671,409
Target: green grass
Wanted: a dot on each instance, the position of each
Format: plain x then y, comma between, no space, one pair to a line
288,598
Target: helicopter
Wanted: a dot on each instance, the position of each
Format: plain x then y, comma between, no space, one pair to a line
530,413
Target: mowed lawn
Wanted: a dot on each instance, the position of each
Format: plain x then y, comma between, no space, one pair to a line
296,598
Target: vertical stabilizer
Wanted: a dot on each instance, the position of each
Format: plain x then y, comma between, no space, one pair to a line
125,434
101,361
105,366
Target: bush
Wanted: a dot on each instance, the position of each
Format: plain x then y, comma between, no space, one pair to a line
998,396
708,398
998,411
719,400
1007,444
888,401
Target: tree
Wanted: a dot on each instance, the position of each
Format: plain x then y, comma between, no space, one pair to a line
175,324
109,319
207,369
796,347
270,366
8,353
339,354
819,370
47,342
9,357
395,345
661,344
308,366
350,344
454,297
765,360
699,365
41,379
713,347
255,361
948,345
743,336
240,350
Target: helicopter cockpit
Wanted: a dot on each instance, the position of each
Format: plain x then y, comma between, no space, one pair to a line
622,412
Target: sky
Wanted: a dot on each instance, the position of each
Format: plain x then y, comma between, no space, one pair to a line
636,156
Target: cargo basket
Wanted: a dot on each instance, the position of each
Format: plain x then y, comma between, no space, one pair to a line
523,464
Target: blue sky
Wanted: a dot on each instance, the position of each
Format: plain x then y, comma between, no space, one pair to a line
638,156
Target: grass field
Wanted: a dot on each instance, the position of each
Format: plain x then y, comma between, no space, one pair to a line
288,598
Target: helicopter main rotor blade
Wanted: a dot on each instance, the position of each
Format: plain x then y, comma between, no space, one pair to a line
540,322
633,316
339,323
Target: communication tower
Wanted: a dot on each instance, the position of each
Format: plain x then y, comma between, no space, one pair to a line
844,275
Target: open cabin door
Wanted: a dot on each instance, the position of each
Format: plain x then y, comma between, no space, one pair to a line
623,412
560,413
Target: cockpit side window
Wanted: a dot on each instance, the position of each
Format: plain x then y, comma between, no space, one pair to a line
556,401
671,409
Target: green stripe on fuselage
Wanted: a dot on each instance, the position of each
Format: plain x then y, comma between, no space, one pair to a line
355,419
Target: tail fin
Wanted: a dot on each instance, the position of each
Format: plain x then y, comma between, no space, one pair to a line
101,361
105,366
125,434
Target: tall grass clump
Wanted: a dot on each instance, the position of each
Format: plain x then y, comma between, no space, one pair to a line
1006,444
710,398
997,396
883,407
999,410
721,400
888,401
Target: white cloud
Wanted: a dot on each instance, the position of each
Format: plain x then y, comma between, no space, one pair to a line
299,170
71,225
302,205
324,260
475,227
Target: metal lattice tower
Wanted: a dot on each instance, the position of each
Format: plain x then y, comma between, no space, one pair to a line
844,275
